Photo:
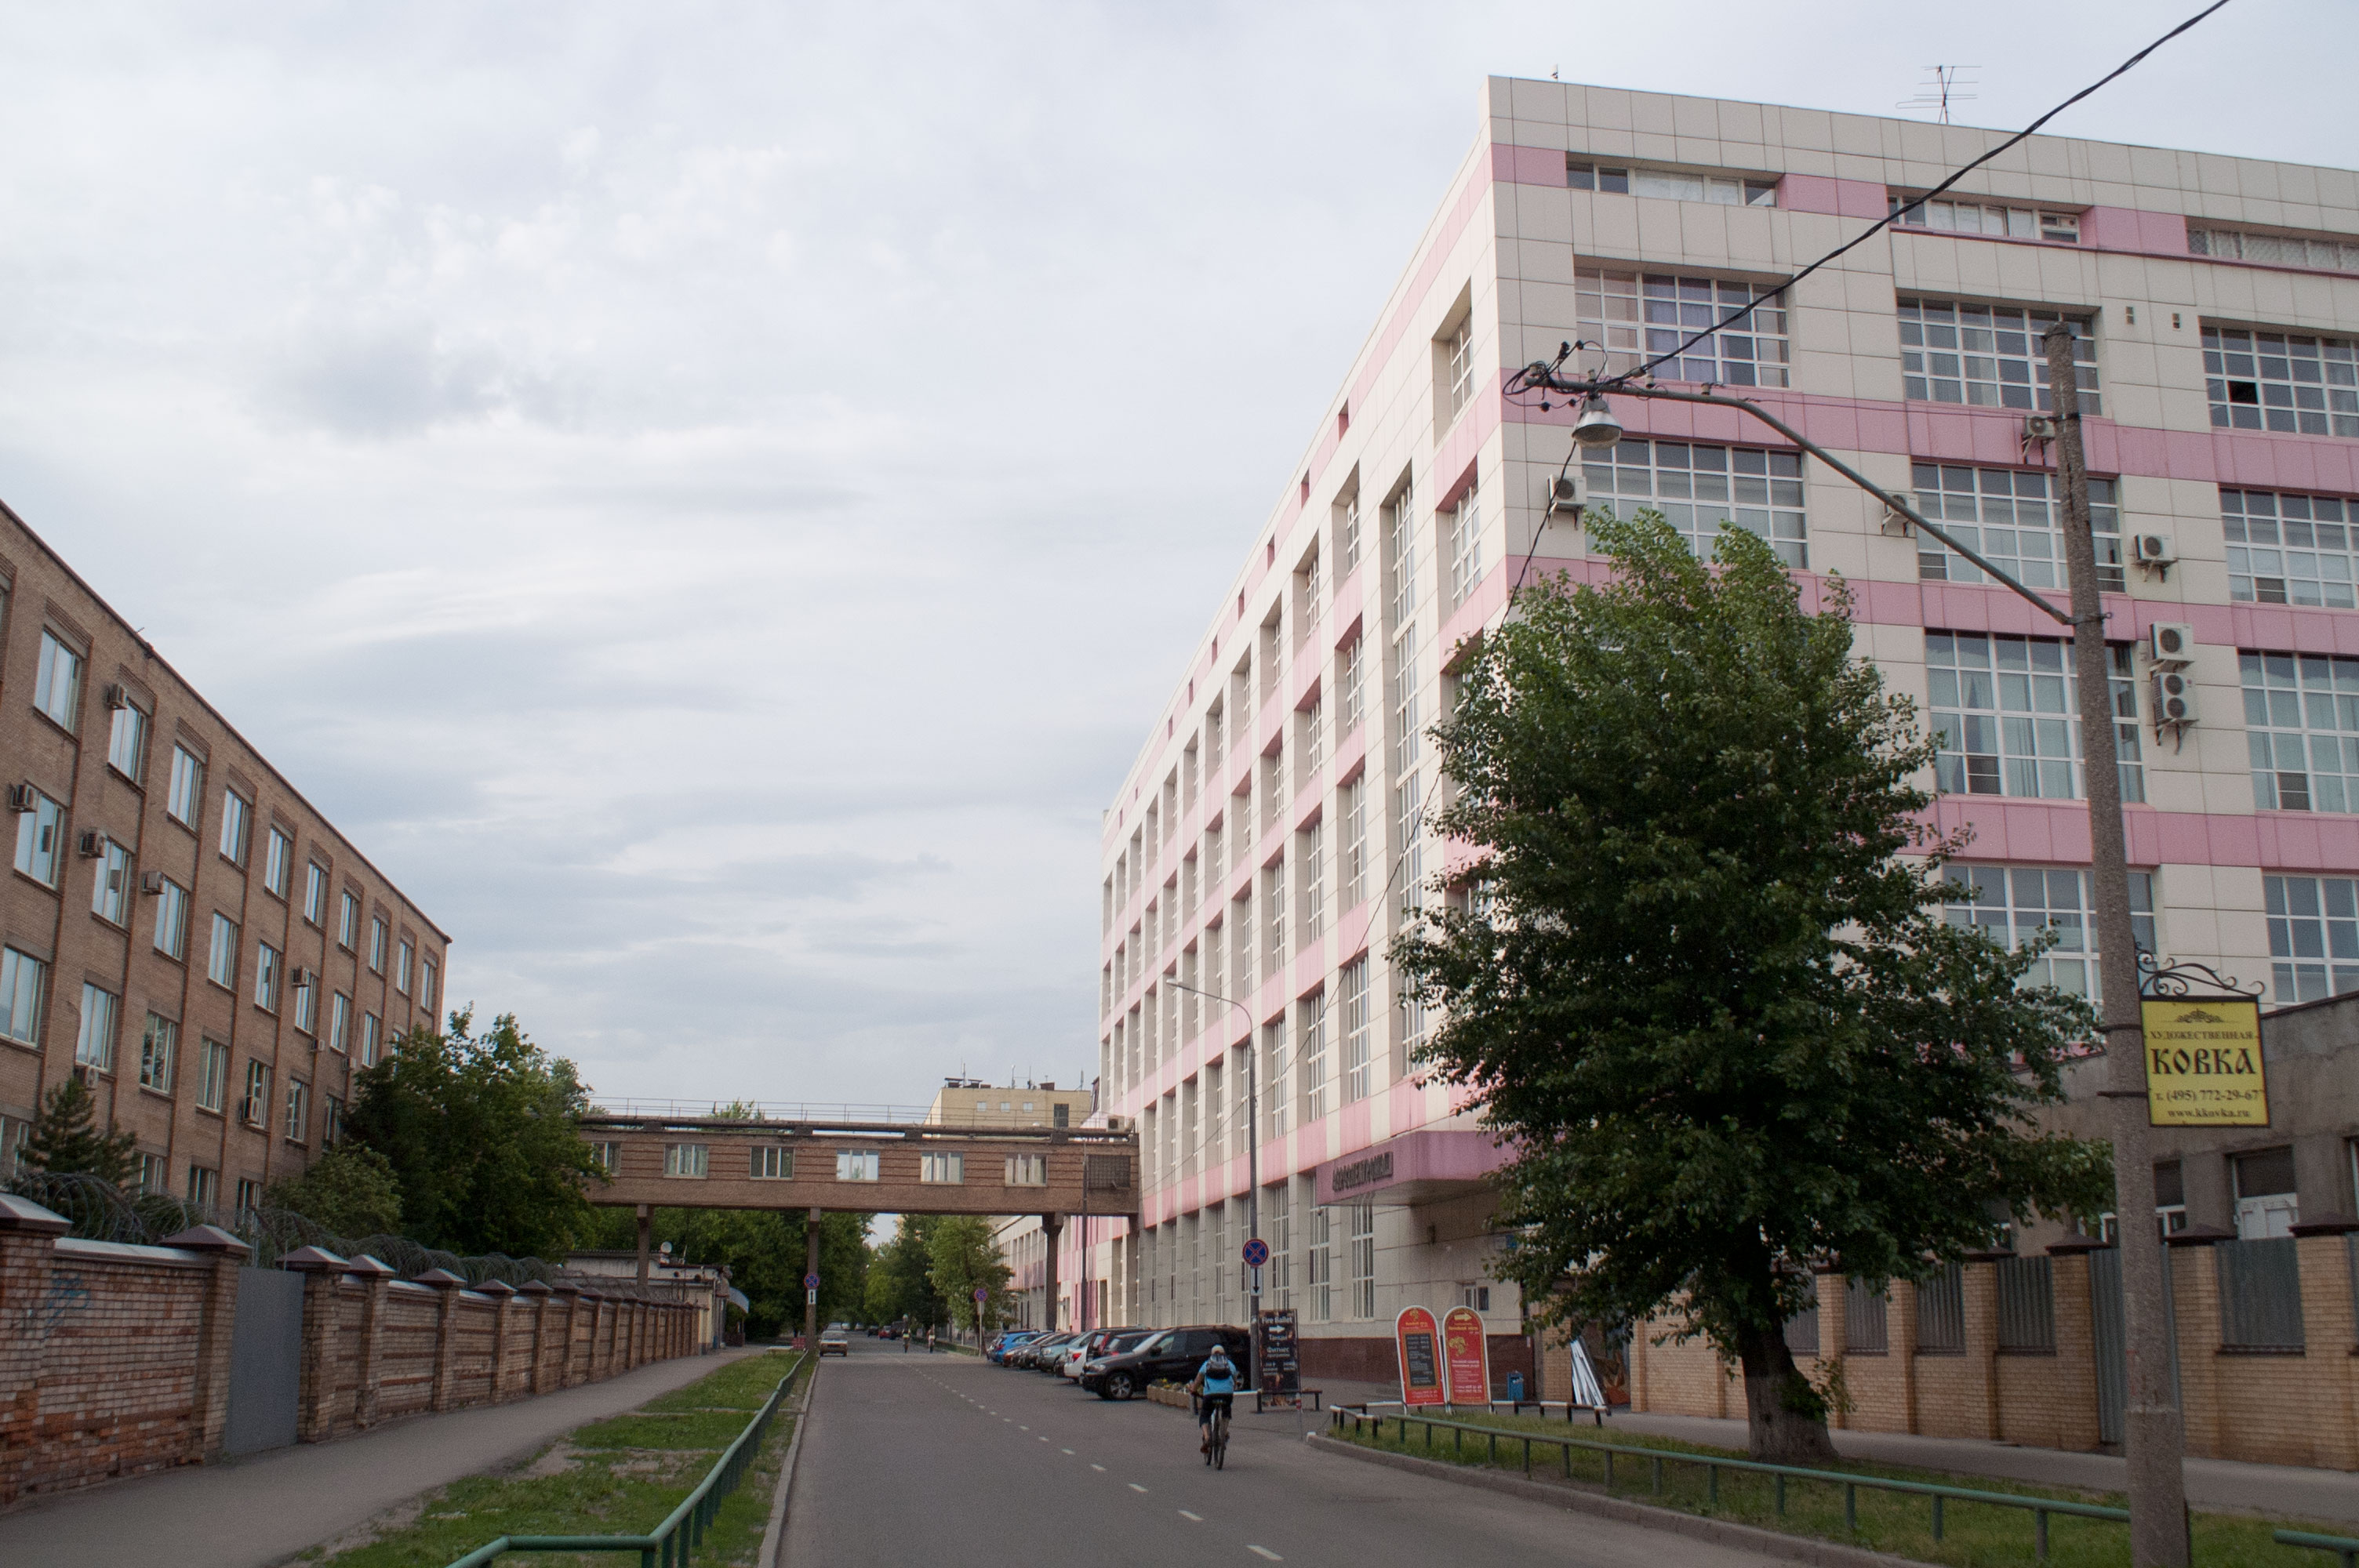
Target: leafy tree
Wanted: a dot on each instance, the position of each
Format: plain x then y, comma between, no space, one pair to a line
351,1190
480,1131
961,1258
763,1251
1721,1027
65,1139
902,1283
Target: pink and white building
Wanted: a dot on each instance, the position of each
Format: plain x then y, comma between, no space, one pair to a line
1268,835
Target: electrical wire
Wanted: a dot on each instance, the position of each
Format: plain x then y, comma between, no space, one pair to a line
1886,221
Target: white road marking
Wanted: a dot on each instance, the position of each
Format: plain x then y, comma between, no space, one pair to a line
1185,1514
1137,1487
1099,1468
1264,1552
1061,1450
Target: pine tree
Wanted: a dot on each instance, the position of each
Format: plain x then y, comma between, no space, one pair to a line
66,1140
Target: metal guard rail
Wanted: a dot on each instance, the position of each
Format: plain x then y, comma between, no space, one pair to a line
2343,1546
683,1529
2039,1508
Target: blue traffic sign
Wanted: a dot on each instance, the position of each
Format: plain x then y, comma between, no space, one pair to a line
810,1281
1257,1252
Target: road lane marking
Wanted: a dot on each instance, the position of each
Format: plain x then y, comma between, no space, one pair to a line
1044,1440
1264,1552
1061,1450
1185,1514
1137,1487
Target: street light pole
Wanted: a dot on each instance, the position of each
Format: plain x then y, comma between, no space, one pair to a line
1253,1175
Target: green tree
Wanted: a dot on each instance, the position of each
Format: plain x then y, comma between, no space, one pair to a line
480,1131
961,1258
351,1190
1718,1022
763,1251
65,1139
902,1277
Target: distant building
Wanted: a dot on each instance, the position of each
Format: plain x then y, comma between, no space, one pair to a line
971,1102
704,1286
182,927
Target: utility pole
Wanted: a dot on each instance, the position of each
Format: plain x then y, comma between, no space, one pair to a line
1253,1174
2154,1430
810,1272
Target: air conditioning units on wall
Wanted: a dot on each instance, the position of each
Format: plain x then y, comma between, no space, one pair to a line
2170,644
2153,553
2174,699
1568,494
92,844
23,797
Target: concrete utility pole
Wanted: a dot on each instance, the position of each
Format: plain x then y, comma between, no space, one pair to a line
811,1269
1053,1230
2154,1430
647,1226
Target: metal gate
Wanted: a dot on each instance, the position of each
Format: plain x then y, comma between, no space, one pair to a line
265,1360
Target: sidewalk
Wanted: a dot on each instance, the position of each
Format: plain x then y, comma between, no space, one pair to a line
266,1507
2219,1486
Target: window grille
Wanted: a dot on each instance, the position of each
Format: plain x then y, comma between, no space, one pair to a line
1866,1330
1701,489
2280,250
1952,217
2008,721
2016,518
2026,1305
2260,1294
1989,356
2290,549
2301,729
1942,1312
1635,316
2313,925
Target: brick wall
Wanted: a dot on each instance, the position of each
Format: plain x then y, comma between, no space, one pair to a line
116,1360
2288,1407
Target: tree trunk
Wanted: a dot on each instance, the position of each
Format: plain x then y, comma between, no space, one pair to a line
1785,1418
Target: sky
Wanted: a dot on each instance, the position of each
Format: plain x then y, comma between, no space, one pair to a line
708,497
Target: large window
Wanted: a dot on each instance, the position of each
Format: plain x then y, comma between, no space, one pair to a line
315,893
237,823
949,1170
1635,316
23,982
1725,191
186,789
267,962
2331,253
1701,489
2005,714
1310,1058
221,961
2313,936
1364,1259
1464,524
102,1009
126,742
110,885
2012,904
2014,517
2281,381
212,1074
1027,1171
769,1163
1354,983
57,686
855,1165
1458,352
160,1047
1954,217
298,1125
1988,356
38,834
255,1109
1322,1265
689,1160
171,919
2290,549
277,860
2301,723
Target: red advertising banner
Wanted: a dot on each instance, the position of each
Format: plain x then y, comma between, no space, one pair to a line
1466,1356
1418,1340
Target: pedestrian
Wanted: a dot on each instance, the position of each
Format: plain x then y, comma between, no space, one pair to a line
930,1342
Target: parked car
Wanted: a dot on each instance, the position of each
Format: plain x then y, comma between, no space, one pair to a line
1003,1345
1085,1348
1119,1342
835,1342
1030,1357
1172,1354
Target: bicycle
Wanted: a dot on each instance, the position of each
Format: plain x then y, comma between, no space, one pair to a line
1216,1433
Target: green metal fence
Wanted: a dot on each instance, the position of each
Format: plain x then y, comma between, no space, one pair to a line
2040,1509
2343,1546
670,1544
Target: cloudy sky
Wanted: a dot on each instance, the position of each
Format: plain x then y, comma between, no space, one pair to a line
708,495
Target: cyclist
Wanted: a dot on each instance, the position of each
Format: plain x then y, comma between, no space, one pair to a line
1215,1386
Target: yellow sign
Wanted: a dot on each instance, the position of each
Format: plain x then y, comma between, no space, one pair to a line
2203,1063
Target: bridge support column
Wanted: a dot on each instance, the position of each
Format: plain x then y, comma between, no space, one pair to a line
647,1228
810,1267
1052,1228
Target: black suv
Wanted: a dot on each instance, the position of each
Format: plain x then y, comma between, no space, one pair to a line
1172,1354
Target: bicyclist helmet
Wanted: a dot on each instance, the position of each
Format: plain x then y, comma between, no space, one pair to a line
1219,1353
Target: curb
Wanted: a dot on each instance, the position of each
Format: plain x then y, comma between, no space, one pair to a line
772,1552
1722,1532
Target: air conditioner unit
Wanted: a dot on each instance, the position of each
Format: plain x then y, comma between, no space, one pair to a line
151,883
1896,524
23,797
2170,644
1569,493
2040,427
303,979
2174,698
92,844
2152,549
118,695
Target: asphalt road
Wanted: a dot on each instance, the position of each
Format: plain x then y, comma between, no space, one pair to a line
917,1458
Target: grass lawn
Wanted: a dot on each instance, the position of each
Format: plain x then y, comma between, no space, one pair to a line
617,1476
1979,1535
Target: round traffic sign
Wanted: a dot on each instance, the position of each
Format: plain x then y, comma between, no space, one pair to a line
982,1294
1257,1252
810,1281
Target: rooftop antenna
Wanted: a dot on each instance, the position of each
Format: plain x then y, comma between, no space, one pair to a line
1945,88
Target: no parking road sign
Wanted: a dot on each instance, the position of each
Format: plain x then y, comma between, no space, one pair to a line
982,1294
810,1281
1257,1252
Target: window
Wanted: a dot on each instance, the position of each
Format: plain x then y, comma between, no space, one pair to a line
1322,1265
237,823
2328,254
2313,936
298,1124
160,1047
1459,347
332,1122
2302,724
2004,710
110,885
1984,218
1027,1171
376,945
946,1169
772,1164
24,984
315,893
1310,1058
249,1195
152,1174
1700,489
1347,537
1351,683
1464,528
429,972
2267,1205
277,860
1273,1066
348,924
220,962
255,1109
1635,316
2289,550
307,1001
689,1160
405,956
2280,381
1988,356
855,1165
172,919
186,789
1408,744
371,1033
606,1156
1061,1115
1354,983
1400,541
340,1022
1278,1217
267,963
204,1186
126,742
212,1074
1312,856
102,1009
1724,190
56,689
39,832
1352,868
2010,516
2013,904
1364,1259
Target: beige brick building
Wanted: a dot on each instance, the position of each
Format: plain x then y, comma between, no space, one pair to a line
179,924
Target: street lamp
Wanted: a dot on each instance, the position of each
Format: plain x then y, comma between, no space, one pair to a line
1252,1170
1596,429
